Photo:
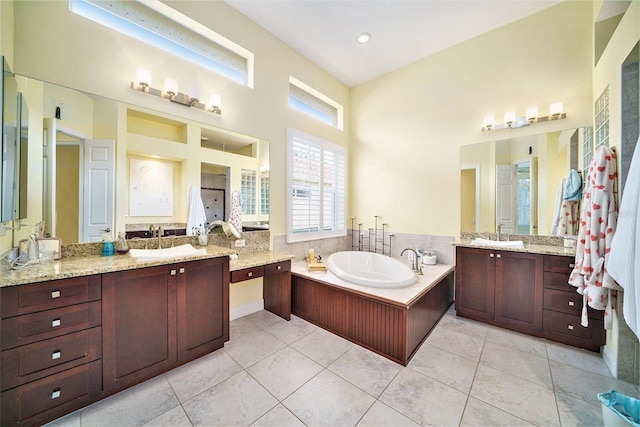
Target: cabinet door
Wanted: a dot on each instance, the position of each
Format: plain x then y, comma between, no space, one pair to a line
203,307
475,273
139,326
277,289
519,291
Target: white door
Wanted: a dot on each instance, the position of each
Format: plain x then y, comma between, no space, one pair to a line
97,198
506,192
533,185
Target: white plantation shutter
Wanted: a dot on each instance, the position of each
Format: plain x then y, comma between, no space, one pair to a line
316,194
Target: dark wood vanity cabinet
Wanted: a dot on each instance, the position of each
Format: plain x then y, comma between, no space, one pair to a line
156,318
500,287
51,349
525,292
563,308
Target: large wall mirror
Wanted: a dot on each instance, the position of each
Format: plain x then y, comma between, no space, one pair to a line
14,115
76,125
516,181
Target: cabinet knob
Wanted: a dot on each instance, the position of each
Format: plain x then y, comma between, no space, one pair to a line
491,255
173,272
279,267
572,304
55,393
250,274
571,265
570,327
55,294
55,355
55,323
498,256
181,270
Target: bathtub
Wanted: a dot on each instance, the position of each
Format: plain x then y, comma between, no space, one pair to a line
370,269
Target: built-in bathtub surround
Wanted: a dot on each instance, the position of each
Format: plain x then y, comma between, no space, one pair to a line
440,244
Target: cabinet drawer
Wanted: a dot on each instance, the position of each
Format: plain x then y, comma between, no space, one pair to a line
46,399
23,299
277,267
558,263
566,328
38,360
29,328
247,273
559,281
567,302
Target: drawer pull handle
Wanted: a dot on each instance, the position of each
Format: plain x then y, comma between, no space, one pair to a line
181,270
55,355
498,256
250,274
490,255
279,267
173,272
570,327
55,294
55,323
572,304
571,265
55,394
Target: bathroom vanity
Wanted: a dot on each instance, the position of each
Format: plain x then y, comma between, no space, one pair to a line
78,330
525,290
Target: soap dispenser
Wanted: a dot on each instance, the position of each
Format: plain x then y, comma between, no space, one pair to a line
108,248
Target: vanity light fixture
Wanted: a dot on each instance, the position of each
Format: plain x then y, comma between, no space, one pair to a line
171,92
511,121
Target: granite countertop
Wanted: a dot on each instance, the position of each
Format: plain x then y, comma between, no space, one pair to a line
432,274
534,248
76,266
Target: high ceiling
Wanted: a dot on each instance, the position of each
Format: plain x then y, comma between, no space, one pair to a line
403,31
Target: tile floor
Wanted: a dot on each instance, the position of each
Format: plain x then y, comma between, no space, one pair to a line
278,373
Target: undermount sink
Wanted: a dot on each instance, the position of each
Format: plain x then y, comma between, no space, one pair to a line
498,243
166,253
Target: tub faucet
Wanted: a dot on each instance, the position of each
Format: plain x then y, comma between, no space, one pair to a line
416,267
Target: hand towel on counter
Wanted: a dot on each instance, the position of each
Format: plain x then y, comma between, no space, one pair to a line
197,216
624,258
597,226
235,216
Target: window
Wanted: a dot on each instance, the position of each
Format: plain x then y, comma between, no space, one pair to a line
248,191
602,120
163,27
309,101
264,193
316,183
587,151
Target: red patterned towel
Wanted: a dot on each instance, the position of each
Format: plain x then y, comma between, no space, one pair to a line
597,226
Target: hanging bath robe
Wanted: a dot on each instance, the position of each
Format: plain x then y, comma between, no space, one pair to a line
235,216
624,258
597,226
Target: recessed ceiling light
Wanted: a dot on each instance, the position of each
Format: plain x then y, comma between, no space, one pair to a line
364,38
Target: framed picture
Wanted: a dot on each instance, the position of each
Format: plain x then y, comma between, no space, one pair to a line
150,188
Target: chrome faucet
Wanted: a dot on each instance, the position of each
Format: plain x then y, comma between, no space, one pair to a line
498,232
416,267
160,234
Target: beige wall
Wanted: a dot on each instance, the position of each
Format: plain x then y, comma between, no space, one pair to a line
408,126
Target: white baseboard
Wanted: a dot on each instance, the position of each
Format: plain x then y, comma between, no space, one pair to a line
610,360
245,310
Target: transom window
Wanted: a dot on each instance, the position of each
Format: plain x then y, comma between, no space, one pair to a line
311,102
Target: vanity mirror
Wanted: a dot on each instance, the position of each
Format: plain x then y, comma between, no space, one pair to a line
14,116
517,180
74,121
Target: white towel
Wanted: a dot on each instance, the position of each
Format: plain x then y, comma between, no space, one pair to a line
597,226
624,258
557,206
197,216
